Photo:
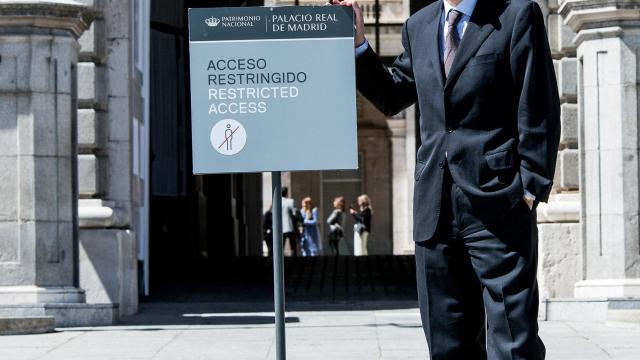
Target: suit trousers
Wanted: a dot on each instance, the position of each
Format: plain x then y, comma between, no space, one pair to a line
477,284
293,242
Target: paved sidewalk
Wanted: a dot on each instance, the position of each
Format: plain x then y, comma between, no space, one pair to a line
364,334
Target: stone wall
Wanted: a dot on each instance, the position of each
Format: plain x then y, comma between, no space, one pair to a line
105,103
608,41
559,251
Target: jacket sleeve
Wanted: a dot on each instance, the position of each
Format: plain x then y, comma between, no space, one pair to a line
538,105
333,217
390,89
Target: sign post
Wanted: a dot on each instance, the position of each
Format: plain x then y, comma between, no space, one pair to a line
273,89
278,265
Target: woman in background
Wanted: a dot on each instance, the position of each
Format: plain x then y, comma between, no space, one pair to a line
336,224
362,228
311,245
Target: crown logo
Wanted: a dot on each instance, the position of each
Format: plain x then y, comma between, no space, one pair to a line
212,21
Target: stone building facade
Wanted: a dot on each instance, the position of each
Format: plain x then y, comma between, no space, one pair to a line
109,111
84,194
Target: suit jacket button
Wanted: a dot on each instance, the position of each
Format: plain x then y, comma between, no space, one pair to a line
449,130
441,164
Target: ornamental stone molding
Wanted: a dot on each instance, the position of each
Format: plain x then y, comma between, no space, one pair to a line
97,213
58,15
588,14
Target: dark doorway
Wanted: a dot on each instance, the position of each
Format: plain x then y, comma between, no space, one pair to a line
194,220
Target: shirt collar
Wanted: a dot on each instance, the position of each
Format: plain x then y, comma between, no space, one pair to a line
466,7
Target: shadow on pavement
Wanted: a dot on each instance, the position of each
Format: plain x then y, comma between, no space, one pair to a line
243,313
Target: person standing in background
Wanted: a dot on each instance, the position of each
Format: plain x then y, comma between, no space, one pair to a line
362,228
336,224
287,222
267,229
311,245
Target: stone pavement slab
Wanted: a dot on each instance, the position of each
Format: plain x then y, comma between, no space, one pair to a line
353,334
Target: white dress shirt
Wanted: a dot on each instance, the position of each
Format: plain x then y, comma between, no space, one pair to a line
466,7
287,210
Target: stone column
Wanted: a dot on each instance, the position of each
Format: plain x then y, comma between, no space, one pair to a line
398,184
558,220
38,192
109,185
608,40
402,168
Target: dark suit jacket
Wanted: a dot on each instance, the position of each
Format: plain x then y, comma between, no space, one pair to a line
496,115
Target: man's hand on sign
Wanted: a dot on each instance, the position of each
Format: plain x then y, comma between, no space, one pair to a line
359,20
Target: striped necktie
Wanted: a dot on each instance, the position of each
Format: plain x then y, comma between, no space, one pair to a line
452,41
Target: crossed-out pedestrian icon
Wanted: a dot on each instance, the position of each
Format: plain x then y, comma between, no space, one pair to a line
228,137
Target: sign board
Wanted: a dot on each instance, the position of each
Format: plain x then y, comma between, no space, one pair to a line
272,89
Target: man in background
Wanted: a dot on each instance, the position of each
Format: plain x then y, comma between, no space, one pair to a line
288,225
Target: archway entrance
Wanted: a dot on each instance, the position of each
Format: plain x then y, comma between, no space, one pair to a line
205,232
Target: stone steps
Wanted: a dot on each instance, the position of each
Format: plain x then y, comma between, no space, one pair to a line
26,325
307,279
65,314
612,311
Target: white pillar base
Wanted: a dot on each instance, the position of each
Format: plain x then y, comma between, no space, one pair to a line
607,288
30,294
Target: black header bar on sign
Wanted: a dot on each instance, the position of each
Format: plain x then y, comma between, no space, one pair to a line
256,23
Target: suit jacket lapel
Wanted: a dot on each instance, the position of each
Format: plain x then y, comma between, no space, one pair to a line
432,34
478,29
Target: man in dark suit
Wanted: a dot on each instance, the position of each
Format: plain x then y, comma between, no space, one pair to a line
482,76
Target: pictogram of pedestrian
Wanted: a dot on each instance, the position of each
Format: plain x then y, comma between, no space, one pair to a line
228,137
